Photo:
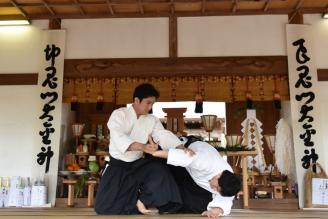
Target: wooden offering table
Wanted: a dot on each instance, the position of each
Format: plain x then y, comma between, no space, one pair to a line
91,191
243,155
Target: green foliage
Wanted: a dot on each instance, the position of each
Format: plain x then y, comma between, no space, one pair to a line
237,147
80,184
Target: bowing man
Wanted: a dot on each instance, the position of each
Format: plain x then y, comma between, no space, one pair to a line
131,176
214,185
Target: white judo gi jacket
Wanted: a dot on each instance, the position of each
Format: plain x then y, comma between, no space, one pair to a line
203,166
125,128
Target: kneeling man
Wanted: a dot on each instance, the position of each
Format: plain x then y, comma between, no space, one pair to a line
209,171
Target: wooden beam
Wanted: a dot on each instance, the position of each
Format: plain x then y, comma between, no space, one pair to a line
14,3
13,17
173,36
188,66
172,7
140,5
235,5
114,2
295,18
322,74
158,14
110,7
170,4
19,79
311,10
296,13
266,6
203,6
77,4
298,5
48,7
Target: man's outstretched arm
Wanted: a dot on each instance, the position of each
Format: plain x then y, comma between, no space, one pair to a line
161,154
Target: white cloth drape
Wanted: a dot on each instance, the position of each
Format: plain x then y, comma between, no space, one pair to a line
252,137
284,150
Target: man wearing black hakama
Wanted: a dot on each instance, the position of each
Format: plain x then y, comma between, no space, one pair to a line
129,177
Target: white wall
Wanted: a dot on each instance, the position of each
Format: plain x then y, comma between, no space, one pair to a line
232,36
19,45
197,36
19,53
117,38
18,128
321,38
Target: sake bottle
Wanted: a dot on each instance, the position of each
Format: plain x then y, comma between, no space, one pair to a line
5,191
1,194
27,192
34,193
20,193
42,192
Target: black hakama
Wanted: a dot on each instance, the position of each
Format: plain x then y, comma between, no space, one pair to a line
147,179
195,199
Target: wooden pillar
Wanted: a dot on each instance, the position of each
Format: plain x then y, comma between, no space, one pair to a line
91,191
70,197
295,18
55,24
245,178
173,36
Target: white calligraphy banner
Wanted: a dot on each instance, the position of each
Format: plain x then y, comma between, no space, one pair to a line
50,83
304,105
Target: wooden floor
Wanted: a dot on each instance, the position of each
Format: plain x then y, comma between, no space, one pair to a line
280,204
259,208
83,213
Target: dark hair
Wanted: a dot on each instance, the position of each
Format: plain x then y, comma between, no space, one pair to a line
145,90
230,183
191,139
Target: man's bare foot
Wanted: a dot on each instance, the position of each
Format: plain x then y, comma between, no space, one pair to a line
142,208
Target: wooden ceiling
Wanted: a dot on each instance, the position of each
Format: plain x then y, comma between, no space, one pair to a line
79,9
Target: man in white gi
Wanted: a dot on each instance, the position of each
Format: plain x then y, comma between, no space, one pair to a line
208,170
130,176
